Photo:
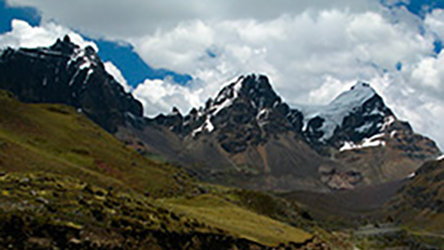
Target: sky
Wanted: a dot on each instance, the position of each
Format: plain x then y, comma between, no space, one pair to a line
179,53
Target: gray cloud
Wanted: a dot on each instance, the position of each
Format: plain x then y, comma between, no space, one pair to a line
120,19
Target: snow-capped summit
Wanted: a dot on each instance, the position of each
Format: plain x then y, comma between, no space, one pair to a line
352,116
254,88
353,98
251,101
249,112
249,105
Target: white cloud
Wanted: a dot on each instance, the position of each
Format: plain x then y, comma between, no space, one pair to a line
163,95
413,102
420,95
120,19
115,72
435,21
24,35
328,90
297,52
428,73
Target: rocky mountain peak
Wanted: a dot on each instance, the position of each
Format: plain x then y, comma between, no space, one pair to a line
245,111
247,131
259,91
251,102
68,74
248,112
65,46
355,97
248,99
355,114
255,89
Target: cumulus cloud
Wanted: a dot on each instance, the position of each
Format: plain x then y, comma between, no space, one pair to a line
120,19
413,102
158,95
24,35
435,21
299,52
420,93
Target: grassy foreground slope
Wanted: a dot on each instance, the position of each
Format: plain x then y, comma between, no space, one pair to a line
246,224
49,211
56,139
67,184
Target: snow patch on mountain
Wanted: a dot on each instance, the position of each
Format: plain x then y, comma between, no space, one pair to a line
88,76
207,126
364,127
387,122
227,96
81,55
118,76
335,112
374,141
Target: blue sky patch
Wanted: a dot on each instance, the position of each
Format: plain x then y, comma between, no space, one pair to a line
437,46
133,68
7,14
211,53
418,7
399,66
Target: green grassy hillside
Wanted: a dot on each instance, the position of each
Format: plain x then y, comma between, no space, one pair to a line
56,139
242,222
67,184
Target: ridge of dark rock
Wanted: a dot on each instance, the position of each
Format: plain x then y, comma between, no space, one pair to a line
251,106
67,74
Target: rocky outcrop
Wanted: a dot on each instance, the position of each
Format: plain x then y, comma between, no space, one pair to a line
244,113
419,204
424,193
67,74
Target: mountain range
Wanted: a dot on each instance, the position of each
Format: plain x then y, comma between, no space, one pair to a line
248,137
320,166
